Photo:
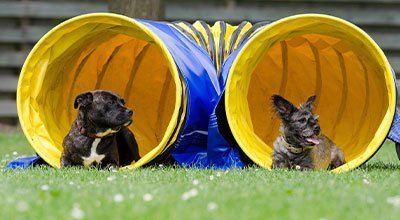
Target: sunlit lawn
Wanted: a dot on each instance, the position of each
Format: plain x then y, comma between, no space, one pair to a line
370,192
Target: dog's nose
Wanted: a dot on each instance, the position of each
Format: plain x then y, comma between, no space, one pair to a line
130,112
317,129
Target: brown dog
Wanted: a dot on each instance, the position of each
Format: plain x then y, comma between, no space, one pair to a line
301,145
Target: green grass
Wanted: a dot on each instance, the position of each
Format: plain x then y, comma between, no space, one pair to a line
254,193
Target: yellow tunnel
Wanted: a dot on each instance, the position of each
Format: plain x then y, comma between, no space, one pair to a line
100,51
305,55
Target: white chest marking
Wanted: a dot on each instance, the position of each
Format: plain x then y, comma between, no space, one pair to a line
93,157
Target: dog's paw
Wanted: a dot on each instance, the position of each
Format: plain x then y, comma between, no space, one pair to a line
111,167
65,162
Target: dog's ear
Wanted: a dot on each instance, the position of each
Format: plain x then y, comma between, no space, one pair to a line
309,102
283,106
83,99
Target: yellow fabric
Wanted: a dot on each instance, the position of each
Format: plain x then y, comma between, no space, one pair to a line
222,48
303,55
203,32
100,51
187,28
214,32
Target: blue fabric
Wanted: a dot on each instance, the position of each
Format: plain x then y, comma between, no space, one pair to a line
24,162
223,151
394,133
202,89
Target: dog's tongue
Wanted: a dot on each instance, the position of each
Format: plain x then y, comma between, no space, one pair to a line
313,140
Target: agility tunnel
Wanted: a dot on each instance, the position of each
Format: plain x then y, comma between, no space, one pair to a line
297,57
150,64
201,93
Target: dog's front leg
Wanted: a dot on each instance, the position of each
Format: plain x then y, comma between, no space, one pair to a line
128,149
66,162
303,168
109,162
110,166
71,160
280,164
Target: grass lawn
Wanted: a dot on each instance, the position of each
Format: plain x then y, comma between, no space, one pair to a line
370,192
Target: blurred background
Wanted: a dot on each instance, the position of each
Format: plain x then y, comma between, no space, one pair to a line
24,22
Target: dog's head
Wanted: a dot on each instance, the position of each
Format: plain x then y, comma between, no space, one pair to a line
300,125
102,110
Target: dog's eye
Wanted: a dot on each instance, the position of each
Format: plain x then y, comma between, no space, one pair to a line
112,102
302,120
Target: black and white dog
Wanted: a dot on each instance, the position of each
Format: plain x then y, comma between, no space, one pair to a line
99,136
